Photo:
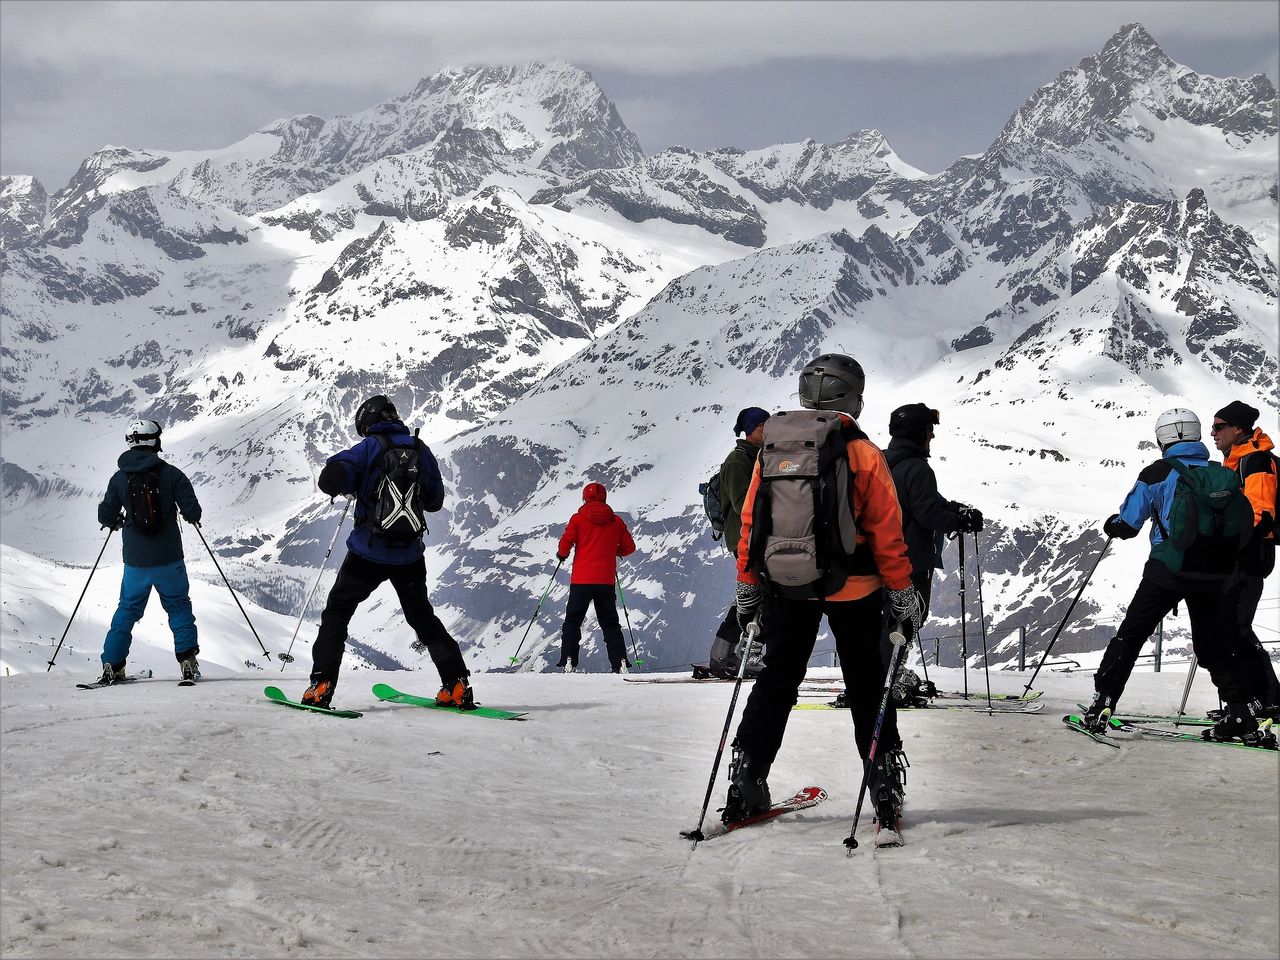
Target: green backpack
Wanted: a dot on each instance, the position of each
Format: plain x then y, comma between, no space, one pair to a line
1209,522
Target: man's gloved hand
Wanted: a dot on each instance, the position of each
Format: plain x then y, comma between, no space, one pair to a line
1117,528
748,599
906,605
116,524
970,518
562,559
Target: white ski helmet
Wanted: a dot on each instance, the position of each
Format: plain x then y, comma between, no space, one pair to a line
1175,425
144,433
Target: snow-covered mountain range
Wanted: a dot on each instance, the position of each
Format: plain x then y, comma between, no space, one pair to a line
552,306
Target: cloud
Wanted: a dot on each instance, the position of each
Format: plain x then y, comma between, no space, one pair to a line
303,42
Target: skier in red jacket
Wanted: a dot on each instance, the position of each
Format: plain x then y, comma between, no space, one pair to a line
600,537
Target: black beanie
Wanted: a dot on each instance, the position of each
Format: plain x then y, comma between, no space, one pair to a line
1238,415
912,422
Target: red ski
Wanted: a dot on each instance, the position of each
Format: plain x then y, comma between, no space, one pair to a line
804,798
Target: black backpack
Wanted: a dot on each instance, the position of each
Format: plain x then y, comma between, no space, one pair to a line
803,531
146,508
711,505
395,514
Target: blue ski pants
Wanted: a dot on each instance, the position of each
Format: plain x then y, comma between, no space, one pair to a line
170,581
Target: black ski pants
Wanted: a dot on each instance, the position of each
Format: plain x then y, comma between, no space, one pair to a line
581,597
789,629
1253,663
357,579
1213,635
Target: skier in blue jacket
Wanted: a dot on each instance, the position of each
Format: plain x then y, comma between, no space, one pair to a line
143,500
394,478
1161,589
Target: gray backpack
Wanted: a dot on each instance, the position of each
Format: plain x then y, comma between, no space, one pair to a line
803,531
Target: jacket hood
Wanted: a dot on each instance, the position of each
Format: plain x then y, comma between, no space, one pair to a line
904,446
386,426
1258,442
594,493
138,460
1187,450
597,512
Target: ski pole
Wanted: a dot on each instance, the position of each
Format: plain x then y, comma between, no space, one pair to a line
266,653
964,640
897,637
635,657
982,618
287,656
750,634
110,531
515,658
1079,593
1186,691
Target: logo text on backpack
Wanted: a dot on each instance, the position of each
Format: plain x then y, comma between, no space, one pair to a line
788,466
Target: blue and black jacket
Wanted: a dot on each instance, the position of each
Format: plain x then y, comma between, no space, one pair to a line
176,495
353,472
1152,496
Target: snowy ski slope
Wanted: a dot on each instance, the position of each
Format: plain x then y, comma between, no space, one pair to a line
156,821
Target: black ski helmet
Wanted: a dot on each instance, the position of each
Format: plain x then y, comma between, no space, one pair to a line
832,382
144,434
372,411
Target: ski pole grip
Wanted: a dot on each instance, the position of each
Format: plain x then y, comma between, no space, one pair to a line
753,630
898,635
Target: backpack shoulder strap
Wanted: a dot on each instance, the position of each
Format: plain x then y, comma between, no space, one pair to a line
1180,468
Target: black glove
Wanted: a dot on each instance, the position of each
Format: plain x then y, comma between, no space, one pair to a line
970,518
748,597
562,559
116,524
332,479
1117,528
907,606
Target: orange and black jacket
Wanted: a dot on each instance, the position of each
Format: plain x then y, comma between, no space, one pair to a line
1254,460
875,506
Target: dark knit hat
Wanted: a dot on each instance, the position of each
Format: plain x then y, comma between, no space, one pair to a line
912,422
748,419
1238,415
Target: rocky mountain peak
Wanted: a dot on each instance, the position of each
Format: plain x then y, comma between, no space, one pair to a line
1111,94
1131,53
24,208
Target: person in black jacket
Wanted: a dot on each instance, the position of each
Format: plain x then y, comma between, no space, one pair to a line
143,499
927,516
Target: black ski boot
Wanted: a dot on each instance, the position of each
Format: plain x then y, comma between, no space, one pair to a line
888,790
748,788
1237,722
111,673
190,668
1096,716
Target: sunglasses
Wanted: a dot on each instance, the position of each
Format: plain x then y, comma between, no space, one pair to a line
1214,428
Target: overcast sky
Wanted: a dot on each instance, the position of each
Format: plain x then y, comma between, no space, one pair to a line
939,79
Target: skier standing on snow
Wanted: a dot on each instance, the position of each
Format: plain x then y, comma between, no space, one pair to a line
143,499
735,478
597,536
1174,572
926,516
394,478
1249,452
859,533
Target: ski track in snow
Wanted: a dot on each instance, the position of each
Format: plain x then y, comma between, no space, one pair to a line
153,820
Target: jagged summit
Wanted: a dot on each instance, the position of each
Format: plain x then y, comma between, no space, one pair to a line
1131,77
